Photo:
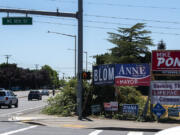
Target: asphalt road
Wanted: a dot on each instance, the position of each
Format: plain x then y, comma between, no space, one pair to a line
15,128
8,127
25,106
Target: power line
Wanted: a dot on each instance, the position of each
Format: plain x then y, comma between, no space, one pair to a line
96,27
7,58
134,19
111,17
107,22
120,5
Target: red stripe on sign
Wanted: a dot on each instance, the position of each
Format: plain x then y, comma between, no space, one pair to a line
166,92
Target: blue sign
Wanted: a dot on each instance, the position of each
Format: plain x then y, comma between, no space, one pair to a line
132,74
130,109
158,110
95,108
173,112
103,74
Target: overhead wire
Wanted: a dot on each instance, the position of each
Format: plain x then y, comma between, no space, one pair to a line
115,23
119,5
113,17
97,27
134,19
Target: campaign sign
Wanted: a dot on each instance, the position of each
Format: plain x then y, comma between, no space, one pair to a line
165,92
166,60
132,75
111,106
95,108
107,106
130,109
103,74
158,110
173,112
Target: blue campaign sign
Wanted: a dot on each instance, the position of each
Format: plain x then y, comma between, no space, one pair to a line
158,110
103,74
130,109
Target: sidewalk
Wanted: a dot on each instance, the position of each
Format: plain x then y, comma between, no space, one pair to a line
91,123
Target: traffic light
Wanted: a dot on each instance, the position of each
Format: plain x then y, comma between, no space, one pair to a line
86,75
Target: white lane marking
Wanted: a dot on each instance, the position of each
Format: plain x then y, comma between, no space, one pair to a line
23,110
19,130
96,132
135,133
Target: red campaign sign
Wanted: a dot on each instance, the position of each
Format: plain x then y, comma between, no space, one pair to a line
165,60
133,82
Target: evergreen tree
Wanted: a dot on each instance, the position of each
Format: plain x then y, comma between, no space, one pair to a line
131,45
161,45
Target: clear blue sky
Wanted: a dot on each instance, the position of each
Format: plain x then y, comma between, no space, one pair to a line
30,45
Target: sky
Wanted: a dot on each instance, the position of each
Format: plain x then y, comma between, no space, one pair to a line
32,45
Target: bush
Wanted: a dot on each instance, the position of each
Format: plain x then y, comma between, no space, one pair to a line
64,103
61,104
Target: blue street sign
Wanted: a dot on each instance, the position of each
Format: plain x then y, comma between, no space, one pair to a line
158,110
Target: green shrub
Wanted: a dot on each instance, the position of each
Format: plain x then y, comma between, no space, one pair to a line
61,104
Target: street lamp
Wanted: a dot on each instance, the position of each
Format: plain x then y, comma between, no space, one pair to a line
69,35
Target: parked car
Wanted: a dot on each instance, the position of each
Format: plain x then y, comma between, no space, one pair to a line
34,94
45,92
8,98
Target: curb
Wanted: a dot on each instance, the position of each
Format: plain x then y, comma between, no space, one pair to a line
36,122
127,129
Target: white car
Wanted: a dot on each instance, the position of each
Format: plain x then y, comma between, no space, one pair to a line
170,131
8,98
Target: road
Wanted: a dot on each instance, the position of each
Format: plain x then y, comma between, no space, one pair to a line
25,106
8,127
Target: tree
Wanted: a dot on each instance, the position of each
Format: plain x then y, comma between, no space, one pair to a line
131,45
161,45
54,80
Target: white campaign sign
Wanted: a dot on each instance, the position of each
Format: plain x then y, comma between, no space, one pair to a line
165,92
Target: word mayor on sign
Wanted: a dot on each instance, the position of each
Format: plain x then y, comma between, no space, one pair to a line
103,74
132,75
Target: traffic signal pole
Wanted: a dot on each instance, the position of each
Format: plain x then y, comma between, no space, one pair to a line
79,16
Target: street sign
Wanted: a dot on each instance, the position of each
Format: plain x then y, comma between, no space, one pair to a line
158,110
17,20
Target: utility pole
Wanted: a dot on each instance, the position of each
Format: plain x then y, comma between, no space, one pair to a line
80,58
79,16
36,66
7,58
